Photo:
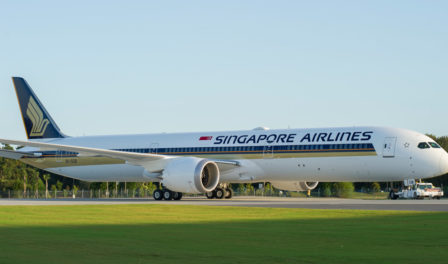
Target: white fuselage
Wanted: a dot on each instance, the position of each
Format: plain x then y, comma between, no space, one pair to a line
321,154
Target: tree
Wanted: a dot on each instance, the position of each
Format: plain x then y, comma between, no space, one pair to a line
326,189
59,185
46,177
343,189
241,190
269,189
25,176
249,189
150,187
35,178
75,190
376,187
132,186
54,189
66,190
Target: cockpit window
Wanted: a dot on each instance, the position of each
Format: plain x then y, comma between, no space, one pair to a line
423,145
434,145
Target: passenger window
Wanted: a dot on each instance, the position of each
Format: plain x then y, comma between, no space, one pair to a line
423,145
434,145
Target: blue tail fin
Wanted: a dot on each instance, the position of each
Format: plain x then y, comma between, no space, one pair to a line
38,123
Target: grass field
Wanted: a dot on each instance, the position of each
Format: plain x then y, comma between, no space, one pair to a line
202,234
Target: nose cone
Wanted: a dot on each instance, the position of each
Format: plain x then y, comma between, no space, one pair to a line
443,163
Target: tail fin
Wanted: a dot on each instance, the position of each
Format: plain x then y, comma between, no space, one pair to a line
38,123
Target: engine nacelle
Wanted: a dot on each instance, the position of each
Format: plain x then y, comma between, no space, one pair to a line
294,186
191,175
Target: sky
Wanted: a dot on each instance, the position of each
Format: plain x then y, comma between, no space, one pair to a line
127,67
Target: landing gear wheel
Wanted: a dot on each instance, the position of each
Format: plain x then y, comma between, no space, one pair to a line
229,193
219,193
210,195
167,195
157,194
177,196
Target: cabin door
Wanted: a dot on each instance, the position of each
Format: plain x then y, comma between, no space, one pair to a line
389,147
268,152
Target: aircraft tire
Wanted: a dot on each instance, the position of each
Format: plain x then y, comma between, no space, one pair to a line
158,195
177,196
210,195
229,193
220,193
167,195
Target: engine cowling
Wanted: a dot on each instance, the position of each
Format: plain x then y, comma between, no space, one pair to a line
294,186
191,175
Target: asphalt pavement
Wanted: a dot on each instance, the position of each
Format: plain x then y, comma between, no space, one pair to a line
272,202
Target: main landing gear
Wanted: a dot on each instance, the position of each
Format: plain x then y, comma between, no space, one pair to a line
167,195
220,192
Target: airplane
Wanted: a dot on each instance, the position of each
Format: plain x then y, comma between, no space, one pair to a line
207,162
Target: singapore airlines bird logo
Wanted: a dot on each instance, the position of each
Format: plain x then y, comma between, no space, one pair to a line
37,118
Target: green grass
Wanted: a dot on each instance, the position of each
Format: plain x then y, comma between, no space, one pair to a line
202,234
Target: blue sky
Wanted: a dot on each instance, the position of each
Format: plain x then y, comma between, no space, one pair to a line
118,67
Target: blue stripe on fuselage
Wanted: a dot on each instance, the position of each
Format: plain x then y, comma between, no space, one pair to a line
321,148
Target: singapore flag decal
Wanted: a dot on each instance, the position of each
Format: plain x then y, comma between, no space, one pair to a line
205,138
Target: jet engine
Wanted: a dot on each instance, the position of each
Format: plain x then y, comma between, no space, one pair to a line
294,185
191,175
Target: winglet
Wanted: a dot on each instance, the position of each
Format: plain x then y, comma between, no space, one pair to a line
38,122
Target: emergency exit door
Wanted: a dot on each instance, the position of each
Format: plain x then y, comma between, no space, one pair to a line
268,152
389,147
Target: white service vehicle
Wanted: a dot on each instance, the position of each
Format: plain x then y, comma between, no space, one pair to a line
420,190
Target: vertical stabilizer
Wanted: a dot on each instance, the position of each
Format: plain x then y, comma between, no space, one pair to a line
38,122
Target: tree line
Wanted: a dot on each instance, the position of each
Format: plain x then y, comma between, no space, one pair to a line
19,177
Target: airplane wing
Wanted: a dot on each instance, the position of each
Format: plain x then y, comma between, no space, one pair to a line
151,162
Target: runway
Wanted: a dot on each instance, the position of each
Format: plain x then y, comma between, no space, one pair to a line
271,202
